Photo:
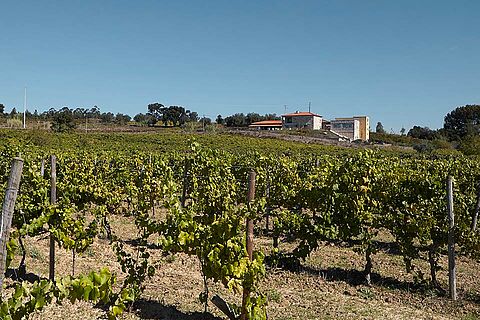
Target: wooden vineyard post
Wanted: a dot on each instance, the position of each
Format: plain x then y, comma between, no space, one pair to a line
249,244
477,210
53,200
185,181
7,212
267,217
42,168
73,262
451,241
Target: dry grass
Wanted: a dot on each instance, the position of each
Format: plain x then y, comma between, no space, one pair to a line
326,286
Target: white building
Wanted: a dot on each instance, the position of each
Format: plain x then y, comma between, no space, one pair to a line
301,120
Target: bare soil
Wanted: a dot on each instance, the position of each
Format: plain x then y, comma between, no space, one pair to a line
314,137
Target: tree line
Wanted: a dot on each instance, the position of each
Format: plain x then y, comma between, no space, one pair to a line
65,118
461,127
461,130
75,114
178,116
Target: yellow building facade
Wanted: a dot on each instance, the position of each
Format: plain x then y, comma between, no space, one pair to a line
354,128
364,127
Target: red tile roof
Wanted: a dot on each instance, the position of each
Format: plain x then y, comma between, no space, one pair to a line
298,114
267,123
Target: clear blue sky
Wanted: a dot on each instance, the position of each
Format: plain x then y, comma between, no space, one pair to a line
403,63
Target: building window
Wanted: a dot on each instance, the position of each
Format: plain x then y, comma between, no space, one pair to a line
343,126
288,119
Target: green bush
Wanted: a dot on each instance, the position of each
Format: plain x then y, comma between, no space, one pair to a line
424,147
470,145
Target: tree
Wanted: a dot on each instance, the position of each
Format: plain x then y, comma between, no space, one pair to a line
94,112
144,119
421,133
192,116
2,109
13,113
240,120
271,116
140,118
122,118
63,121
253,117
107,117
155,110
79,113
50,113
206,121
175,115
236,120
172,115
219,119
379,128
402,131
462,121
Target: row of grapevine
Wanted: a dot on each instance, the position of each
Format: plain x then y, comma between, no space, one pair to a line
91,188
195,203
353,198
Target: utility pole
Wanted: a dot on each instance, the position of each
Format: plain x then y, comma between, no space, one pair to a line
25,110
309,106
285,106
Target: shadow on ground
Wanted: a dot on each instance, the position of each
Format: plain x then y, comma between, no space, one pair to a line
355,278
22,275
136,243
352,277
151,309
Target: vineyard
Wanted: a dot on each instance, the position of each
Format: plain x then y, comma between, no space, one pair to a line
193,206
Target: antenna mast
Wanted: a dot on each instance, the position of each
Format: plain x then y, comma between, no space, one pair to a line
309,106
25,110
